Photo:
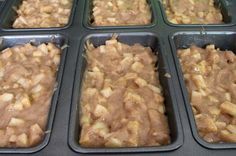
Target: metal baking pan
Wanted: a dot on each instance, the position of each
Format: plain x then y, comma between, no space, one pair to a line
87,20
160,35
224,41
145,39
12,40
226,10
10,15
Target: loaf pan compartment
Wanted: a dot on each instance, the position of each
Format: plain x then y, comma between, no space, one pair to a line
87,19
8,16
221,4
182,40
145,39
59,41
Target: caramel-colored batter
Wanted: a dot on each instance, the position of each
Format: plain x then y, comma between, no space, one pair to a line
121,101
27,78
210,77
121,12
192,12
43,13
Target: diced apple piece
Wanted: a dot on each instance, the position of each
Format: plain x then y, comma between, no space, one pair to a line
85,120
43,48
36,129
194,110
202,66
100,128
102,49
98,78
161,109
37,53
154,88
228,96
84,136
16,122
133,97
203,92
137,67
125,64
213,99
205,123
17,106
140,82
37,88
26,101
22,140
228,108
196,56
38,78
111,42
227,137
23,102
24,82
106,92
133,128
210,47
100,111
90,92
56,59
231,128
214,111
64,2
113,142
46,9
96,69
6,97
35,134
199,81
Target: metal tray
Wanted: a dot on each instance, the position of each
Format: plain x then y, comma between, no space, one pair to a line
225,8
160,35
145,39
10,15
87,21
59,40
224,41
